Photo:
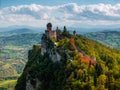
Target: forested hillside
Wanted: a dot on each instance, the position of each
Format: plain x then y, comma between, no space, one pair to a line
84,65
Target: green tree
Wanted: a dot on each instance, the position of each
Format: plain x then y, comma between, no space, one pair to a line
98,69
65,32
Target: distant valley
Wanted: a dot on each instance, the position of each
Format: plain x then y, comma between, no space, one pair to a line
14,46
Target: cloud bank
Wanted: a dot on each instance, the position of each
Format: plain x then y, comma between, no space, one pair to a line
69,14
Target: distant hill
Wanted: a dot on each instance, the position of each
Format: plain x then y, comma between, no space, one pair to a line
109,38
18,31
20,39
16,27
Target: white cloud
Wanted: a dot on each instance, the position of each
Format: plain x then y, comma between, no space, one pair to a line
67,14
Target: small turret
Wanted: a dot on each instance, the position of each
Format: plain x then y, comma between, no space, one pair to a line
49,26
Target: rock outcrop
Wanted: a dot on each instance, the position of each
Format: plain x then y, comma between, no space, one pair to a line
49,47
32,83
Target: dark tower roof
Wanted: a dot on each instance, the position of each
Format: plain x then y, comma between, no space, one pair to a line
49,25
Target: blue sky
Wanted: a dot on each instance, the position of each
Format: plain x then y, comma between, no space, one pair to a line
73,13
7,3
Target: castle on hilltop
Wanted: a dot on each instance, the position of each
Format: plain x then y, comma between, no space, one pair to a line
52,33
49,33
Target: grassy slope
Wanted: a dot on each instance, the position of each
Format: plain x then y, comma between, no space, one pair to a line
9,84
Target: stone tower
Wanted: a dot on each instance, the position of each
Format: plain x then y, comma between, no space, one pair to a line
49,26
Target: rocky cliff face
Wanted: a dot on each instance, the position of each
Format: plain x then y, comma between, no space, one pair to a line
32,83
49,47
